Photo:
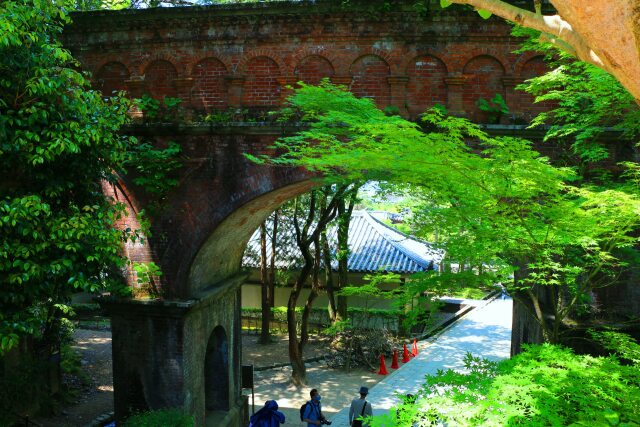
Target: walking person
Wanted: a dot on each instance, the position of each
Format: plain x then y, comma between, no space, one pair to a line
267,416
360,408
312,413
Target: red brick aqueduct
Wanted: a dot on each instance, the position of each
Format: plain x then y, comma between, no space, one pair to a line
185,351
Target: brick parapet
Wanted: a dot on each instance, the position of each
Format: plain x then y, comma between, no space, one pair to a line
264,47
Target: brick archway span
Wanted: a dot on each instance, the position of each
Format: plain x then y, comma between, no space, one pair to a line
160,78
262,87
370,75
111,76
219,257
241,66
140,67
426,86
392,61
327,53
113,59
483,79
193,63
209,87
484,55
313,68
521,64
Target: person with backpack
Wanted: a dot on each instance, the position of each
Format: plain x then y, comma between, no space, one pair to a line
311,412
267,416
360,408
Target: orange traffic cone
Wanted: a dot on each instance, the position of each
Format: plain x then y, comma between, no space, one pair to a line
394,364
405,356
383,367
414,349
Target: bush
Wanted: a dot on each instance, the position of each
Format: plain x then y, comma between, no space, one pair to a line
546,385
164,417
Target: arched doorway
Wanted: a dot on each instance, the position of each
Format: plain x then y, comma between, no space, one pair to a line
216,371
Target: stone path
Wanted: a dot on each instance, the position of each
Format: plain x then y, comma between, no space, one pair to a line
485,331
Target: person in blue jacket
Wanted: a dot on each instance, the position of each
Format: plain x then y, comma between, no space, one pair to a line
313,411
267,416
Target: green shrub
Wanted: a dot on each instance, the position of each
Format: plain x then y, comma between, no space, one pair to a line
164,417
546,385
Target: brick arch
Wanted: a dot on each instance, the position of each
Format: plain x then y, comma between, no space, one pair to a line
209,91
134,251
483,79
313,68
220,255
160,79
328,54
196,59
426,86
216,365
261,86
250,55
369,79
139,67
534,66
460,63
111,77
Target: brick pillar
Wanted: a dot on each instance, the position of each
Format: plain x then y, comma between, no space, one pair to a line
160,350
342,80
398,86
511,95
235,86
455,87
287,84
183,86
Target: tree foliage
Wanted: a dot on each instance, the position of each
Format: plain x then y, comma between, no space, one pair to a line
494,201
545,385
59,142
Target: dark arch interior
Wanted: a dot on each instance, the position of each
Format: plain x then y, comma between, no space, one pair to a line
216,371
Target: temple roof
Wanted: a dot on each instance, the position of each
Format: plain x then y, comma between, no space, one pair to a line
374,247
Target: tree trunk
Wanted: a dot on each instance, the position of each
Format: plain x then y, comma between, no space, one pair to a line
344,219
272,266
315,287
328,278
298,370
265,337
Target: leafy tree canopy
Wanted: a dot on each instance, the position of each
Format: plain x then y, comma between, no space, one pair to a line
494,201
59,143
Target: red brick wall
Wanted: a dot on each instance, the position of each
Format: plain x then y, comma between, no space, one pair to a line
111,77
160,79
244,56
426,85
532,68
261,87
370,73
312,69
209,89
483,79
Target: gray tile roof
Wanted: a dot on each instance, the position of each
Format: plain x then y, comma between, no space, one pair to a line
373,245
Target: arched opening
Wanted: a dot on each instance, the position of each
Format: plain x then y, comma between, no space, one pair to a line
216,371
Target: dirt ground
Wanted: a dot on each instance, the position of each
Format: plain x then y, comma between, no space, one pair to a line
336,386
96,397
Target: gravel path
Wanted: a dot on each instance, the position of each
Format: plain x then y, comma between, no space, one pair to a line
97,397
